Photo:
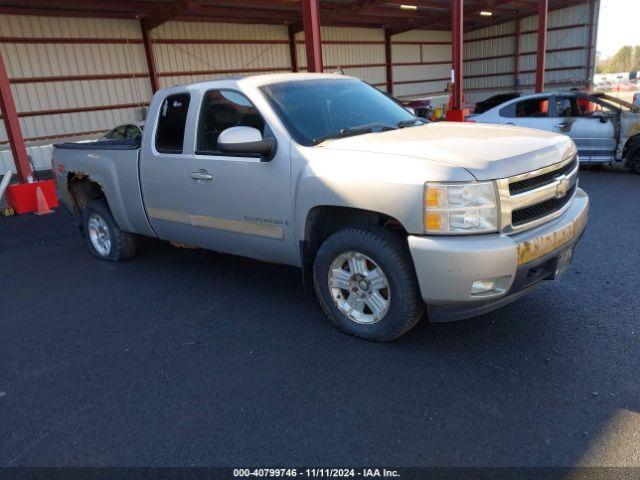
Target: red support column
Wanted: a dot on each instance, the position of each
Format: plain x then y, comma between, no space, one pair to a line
12,126
543,10
457,22
516,57
388,62
151,61
312,41
292,49
592,13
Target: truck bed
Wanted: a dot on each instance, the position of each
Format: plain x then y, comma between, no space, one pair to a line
121,144
114,166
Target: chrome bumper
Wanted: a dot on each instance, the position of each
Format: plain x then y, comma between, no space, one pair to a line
447,267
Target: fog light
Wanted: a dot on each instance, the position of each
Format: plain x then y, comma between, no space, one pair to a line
483,286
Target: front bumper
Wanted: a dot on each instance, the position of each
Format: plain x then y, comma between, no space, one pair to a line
447,267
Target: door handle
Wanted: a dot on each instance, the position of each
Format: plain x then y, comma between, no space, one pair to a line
201,175
510,123
561,125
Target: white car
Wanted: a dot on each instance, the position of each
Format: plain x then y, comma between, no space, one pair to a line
604,128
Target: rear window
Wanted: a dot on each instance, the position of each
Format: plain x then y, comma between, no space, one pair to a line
171,123
532,108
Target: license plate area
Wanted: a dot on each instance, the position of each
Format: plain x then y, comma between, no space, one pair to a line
548,269
563,260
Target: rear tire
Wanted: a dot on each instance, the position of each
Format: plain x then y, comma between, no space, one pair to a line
365,281
633,155
634,162
104,238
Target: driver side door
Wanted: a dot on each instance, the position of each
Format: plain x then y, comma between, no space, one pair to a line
238,203
590,125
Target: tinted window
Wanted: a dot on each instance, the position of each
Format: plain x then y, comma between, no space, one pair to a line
565,107
117,133
132,131
535,107
586,107
313,109
222,109
171,123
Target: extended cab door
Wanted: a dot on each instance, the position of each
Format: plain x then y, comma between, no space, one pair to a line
239,203
590,125
163,167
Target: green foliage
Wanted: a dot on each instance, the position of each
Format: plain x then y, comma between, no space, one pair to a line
627,59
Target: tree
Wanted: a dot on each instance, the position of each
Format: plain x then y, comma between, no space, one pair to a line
636,59
622,61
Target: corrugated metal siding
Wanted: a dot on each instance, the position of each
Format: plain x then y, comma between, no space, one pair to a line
37,59
209,60
358,52
189,51
428,55
559,64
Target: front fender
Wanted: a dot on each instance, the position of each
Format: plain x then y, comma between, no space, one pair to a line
390,185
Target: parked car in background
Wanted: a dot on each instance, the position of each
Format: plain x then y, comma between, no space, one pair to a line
605,129
128,130
494,101
386,216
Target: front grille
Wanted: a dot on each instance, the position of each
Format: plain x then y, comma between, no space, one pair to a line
541,180
540,210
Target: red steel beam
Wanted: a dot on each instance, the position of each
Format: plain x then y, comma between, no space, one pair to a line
543,10
312,40
12,126
592,14
388,62
516,56
151,61
292,49
456,51
170,12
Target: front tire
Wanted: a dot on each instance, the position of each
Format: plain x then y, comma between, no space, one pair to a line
365,281
104,238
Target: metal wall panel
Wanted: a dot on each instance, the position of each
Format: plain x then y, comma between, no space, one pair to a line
177,51
567,41
429,54
359,52
37,68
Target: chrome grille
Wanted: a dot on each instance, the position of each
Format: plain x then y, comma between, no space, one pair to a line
540,180
540,210
533,198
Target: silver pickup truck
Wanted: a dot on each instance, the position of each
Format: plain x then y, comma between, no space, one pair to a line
388,217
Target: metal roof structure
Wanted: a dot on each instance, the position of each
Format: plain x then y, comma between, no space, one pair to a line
394,15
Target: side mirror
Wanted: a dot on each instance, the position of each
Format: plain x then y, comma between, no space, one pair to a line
248,141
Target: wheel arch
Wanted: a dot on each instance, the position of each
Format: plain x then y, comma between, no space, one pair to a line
82,190
633,142
322,221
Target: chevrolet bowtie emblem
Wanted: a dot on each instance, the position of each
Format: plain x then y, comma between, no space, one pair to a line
562,188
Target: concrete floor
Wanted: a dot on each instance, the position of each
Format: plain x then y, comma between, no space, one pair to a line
183,357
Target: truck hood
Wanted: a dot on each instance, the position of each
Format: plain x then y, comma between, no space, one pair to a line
488,152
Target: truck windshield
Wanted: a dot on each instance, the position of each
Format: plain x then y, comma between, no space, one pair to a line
316,110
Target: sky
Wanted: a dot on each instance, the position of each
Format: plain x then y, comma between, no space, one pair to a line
619,25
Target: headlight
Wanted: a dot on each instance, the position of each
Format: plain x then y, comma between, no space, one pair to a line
460,208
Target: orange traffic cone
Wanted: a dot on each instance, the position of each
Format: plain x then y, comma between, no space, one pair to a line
43,206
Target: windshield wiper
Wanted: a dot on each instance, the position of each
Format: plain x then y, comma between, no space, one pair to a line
411,122
352,131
